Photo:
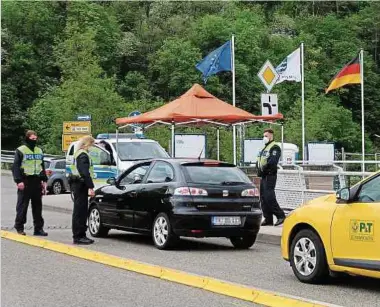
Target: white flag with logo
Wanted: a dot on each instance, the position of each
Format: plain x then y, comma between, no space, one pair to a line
290,68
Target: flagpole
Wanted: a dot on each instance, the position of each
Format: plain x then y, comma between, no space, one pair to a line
362,98
233,93
303,103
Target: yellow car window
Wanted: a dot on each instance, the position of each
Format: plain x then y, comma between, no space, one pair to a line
370,191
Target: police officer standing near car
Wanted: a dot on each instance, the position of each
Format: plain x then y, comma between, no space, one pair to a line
29,175
267,169
81,182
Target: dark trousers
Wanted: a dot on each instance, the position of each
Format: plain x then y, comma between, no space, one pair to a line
31,192
269,203
80,209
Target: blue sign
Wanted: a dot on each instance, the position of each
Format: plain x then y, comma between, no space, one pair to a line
84,117
134,113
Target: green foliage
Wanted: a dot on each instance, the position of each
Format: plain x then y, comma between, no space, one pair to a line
84,90
173,68
60,59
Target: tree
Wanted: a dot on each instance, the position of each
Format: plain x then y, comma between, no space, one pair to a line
173,68
28,33
85,89
325,121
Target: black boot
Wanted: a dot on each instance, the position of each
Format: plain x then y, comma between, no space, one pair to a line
40,232
83,241
280,221
21,232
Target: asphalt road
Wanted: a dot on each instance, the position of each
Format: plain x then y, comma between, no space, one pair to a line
260,267
35,277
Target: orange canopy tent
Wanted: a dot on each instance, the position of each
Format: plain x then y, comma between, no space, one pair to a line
196,106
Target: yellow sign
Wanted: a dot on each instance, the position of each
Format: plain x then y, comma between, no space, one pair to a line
362,230
67,139
77,127
268,75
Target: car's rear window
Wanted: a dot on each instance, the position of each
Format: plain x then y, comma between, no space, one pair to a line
215,175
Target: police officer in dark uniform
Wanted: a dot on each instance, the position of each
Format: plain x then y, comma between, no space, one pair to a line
29,175
82,173
267,169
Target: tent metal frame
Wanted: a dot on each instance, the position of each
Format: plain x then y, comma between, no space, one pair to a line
207,121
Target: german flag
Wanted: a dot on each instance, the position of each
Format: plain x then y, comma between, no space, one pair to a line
350,74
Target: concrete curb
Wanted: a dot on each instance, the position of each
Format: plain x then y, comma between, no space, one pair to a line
5,172
57,209
242,292
269,238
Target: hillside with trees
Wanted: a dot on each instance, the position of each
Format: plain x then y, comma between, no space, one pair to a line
107,59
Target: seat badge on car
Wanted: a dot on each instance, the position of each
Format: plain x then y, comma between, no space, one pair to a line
225,193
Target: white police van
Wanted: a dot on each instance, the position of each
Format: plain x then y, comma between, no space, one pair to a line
111,155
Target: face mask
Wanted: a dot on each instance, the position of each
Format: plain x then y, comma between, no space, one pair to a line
31,143
266,140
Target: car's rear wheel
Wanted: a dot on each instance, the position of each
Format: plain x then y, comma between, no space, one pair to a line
95,225
162,233
243,242
308,257
57,187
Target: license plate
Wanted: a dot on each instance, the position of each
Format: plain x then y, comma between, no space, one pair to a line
226,220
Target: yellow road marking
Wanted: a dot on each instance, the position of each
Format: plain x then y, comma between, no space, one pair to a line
245,293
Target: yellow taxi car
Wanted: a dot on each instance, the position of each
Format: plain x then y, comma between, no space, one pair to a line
335,233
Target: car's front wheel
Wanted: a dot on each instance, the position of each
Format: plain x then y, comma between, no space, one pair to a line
95,225
162,233
308,257
57,187
243,242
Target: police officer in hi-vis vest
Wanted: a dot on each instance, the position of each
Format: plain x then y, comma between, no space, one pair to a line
82,173
29,174
267,169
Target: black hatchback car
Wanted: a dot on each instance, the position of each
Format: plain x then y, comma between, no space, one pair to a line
170,198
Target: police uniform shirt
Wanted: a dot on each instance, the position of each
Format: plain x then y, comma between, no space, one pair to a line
17,170
273,157
83,166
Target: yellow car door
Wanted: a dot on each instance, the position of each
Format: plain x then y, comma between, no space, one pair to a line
355,229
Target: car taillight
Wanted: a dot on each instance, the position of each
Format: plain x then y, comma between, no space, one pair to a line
250,192
49,172
190,191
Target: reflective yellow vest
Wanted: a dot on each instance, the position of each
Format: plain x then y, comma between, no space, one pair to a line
31,160
73,166
263,155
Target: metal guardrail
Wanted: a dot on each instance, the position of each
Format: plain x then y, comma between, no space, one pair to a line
7,156
298,185
295,183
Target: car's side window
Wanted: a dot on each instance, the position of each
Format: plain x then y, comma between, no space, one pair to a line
60,165
71,150
135,176
370,191
99,156
161,172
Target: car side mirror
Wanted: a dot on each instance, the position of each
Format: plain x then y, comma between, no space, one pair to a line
111,181
343,194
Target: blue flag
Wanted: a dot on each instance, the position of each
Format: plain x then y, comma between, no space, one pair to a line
216,61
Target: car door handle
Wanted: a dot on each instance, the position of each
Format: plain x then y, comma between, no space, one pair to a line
133,193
